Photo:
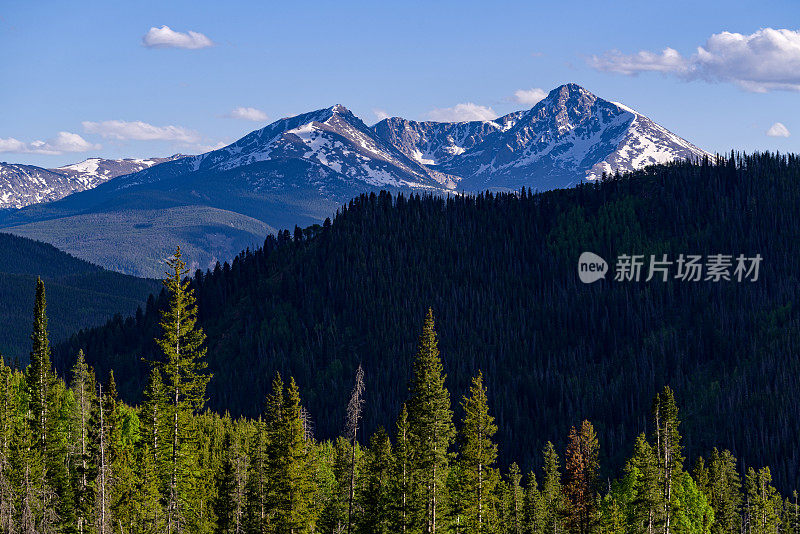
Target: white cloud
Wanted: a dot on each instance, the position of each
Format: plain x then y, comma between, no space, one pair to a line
766,60
248,114
201,148
166,37
778,130
381,114
61,143
669,60
140,131
462,113
529,97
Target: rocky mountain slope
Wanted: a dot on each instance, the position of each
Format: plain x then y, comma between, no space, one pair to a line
22,185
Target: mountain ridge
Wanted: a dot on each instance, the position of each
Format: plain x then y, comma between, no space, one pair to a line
22,185
299,170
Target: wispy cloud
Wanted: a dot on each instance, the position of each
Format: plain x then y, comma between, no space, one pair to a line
140,131
778,130
166,37
529,97
248,114
61,143
463,112
201,148
766,60
381,114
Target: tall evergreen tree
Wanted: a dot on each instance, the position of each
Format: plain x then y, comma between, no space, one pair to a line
724,492
668,450
431,429
402,480
763,503
552,491
478,455
646,496
376,509
83,387
40,376
581,466
183,367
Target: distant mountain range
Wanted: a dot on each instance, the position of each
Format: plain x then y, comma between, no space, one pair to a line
22,185
299,170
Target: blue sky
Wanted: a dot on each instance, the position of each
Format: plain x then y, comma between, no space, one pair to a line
79,79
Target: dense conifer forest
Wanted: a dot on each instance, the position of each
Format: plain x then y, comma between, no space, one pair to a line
500,272
81,294
74,458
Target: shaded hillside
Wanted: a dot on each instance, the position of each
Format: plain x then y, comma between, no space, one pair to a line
81,294
499,272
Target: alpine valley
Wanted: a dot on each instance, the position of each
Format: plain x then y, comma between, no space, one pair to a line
299,170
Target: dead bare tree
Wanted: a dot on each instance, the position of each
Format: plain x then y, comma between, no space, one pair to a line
354,408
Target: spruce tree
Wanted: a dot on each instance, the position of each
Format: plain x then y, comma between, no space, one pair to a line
295,512
83,387
478,455
645,480
431,428
724,492
552,490
668,450
401,475
40,376
185,380
764,504
375,501
515,506
581,466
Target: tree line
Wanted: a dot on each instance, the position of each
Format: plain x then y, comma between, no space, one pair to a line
499,269
74,458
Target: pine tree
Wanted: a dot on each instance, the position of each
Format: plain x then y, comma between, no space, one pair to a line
294,512
83,387
763,502
478,455
401,475
48,422
552,491
724,488
514,523
430,427
535,518
39,373
101,473
668,449
375,500
643,472
185,380
9,406
581,465
257,500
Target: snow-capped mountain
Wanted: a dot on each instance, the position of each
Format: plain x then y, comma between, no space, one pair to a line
570,136
433,143
335,147
22,185
299,170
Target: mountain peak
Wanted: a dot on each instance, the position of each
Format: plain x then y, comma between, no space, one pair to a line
569,89
339,109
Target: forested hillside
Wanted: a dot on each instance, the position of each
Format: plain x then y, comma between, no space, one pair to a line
81,294
75,459
500,273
